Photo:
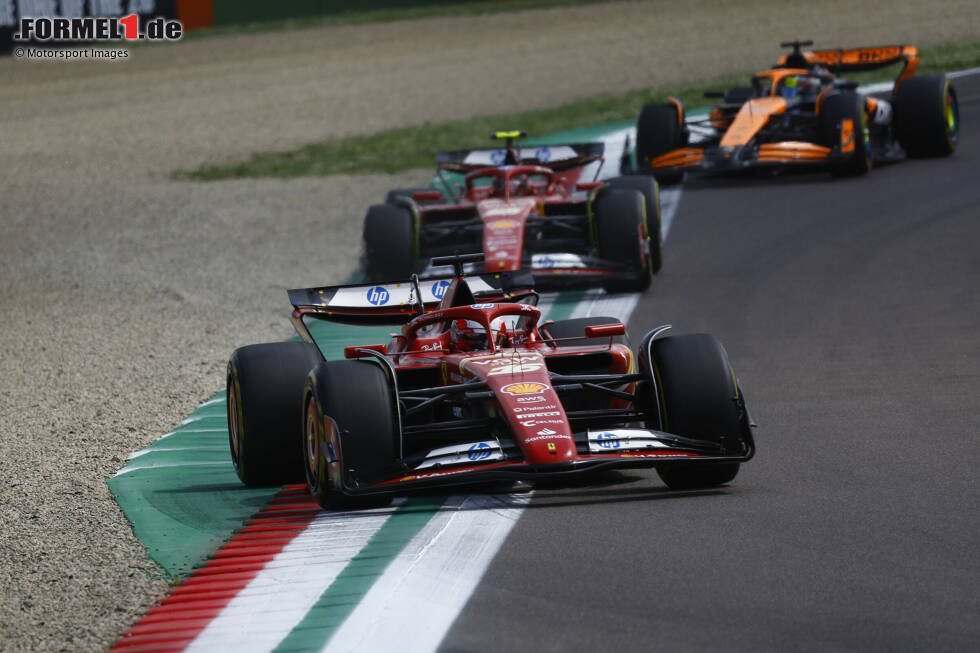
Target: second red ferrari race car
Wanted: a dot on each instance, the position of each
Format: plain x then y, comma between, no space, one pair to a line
800,113
524,208
473,388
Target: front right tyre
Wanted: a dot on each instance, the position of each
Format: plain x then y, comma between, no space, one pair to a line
350,431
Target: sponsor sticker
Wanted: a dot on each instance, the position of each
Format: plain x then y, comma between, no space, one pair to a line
527,409
530,400
526,388
481,306
502,224
479,451
439,289
546,431
378,296
607,440
557,436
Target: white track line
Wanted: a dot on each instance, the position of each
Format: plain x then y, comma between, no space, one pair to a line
426,586
281,595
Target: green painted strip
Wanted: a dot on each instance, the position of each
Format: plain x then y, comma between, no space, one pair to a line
345,593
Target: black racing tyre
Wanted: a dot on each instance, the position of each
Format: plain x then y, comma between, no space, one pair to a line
350,431
659,129
622,235
651,195
576,327
407,193
698,399
265,410
389,242
835,110
927,118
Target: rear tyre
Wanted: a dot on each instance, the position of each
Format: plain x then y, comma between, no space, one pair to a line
350,432
844,122
698,399
389,242
659,129
265,410
576,327
622,235
651,196
927,117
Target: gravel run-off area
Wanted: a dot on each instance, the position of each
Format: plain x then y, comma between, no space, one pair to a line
122,292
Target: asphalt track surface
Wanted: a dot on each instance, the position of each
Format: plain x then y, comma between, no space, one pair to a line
851,311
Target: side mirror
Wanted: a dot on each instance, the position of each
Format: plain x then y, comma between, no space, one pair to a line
714,95
605,330
427,195
357,350
588,185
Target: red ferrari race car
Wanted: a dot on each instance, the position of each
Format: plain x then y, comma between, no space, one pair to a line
524,208
801,114
473,388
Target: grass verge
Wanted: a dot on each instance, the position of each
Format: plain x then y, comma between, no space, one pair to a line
415,147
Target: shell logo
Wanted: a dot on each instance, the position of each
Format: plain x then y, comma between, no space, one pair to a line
502,224
524,388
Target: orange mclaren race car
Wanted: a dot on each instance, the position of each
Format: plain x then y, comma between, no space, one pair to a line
801,113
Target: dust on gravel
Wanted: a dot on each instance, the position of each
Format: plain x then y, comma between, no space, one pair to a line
124,292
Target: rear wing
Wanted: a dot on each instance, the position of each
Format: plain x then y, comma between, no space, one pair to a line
556,157
861,59
396,302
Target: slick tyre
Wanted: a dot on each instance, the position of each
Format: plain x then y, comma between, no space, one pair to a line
844,122
659,129
651,196
265,410
698,399
927,117
389,242
622,236
576,327
350,431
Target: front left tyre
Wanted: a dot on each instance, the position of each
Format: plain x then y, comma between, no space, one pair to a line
698,399
264,396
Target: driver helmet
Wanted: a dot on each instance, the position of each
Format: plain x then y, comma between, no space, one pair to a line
467,335
791,86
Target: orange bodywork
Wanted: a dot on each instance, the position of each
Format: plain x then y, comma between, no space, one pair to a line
791,152
847,135
752,117
684,157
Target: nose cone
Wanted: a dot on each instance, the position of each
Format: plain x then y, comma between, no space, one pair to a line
503,231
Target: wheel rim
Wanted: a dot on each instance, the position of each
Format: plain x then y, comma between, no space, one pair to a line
234,423
312,446
952,117
866,131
